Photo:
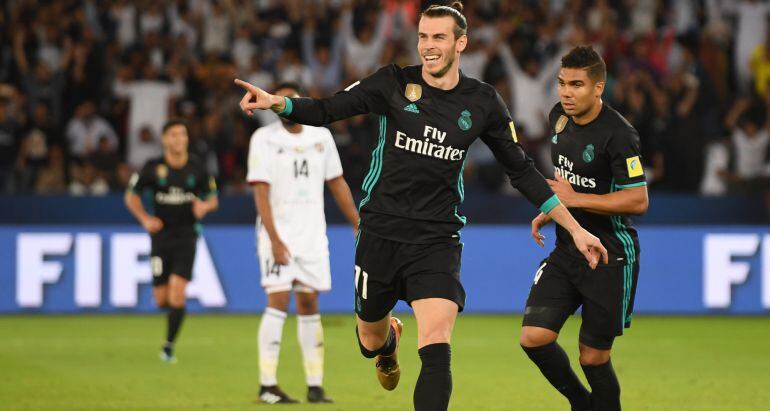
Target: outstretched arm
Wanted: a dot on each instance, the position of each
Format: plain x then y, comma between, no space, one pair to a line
364,96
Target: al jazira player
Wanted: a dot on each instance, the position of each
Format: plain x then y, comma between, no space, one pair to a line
288,165
599,176
408,246
183,193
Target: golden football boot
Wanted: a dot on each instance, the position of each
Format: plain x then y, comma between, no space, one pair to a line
388,371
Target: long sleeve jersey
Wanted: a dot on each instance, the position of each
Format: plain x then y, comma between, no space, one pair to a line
415,181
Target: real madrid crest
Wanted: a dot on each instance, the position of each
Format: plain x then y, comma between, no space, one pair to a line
464,122
413,92
319,147
561,123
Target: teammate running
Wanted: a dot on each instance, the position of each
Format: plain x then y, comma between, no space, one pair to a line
183,193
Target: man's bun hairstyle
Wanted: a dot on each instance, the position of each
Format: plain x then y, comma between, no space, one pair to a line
455,11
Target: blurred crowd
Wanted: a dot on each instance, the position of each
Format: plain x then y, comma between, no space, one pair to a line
86,85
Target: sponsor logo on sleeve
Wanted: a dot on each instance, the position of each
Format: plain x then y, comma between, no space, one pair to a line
634,167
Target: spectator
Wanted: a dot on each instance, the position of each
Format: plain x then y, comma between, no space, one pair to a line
123,15
751,26
324,60
150,99
86,181
292,70
32,156
760,67
152,19
748,146
532,84
51,179
104,159
364,46
216,30
244,49
183,26
42,83
85,131
671,73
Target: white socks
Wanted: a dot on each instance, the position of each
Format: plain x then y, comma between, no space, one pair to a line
269,344
311,340
310,334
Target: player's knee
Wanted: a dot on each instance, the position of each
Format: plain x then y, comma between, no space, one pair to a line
307,304
536,337
370,340
439,335
593,356
279,300
176,303
176,299
307,308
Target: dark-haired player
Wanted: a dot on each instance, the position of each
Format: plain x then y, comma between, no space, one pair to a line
599,176
409,246
183,193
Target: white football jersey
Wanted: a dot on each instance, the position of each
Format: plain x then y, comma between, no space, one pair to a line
296,166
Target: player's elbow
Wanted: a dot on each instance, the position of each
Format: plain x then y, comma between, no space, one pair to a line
640,207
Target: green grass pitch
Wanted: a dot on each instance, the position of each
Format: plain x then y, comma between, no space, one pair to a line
110,363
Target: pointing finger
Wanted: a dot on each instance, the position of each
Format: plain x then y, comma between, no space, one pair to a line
247,86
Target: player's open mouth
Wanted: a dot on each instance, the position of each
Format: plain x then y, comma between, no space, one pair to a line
431,58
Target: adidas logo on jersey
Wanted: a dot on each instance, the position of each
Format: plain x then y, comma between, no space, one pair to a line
412,108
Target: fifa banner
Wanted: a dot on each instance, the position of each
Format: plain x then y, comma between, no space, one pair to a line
105,269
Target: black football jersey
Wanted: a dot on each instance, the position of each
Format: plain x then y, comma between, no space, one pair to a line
600,157
173,190
415,185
